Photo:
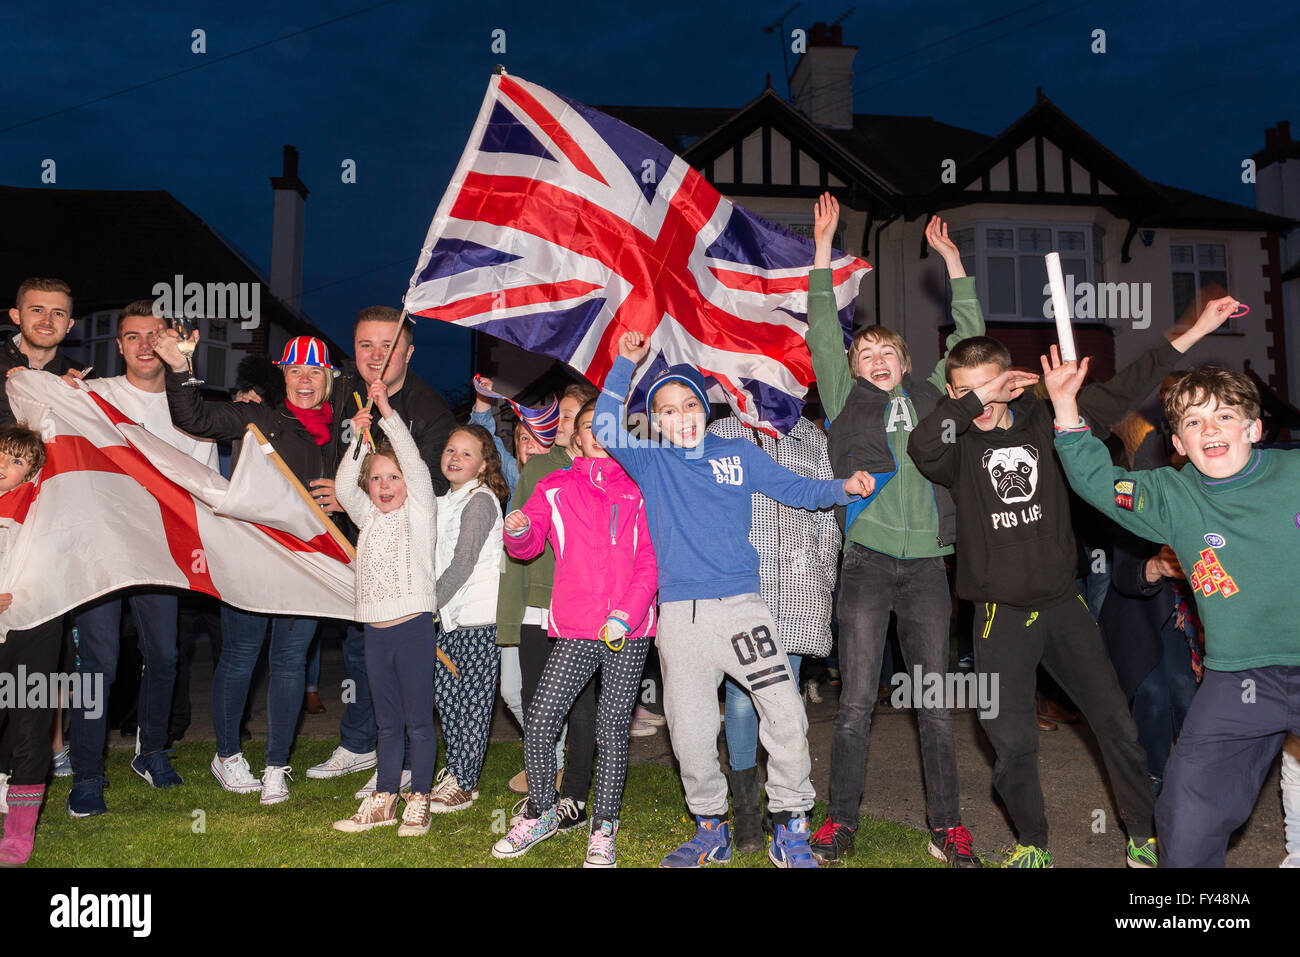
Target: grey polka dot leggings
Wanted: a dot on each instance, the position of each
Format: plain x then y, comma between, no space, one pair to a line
574,662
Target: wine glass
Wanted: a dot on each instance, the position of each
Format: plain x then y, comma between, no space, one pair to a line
187,328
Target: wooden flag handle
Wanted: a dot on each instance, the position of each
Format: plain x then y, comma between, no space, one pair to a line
330,527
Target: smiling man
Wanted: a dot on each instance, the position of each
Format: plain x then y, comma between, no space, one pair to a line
429,421
43,314
140,394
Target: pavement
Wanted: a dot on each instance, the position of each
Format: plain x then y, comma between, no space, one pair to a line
1081,811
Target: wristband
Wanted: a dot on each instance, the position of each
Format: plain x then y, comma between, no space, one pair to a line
1081,427
614,643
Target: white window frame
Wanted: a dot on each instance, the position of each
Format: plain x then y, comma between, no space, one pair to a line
1092,257
210,343
1232,326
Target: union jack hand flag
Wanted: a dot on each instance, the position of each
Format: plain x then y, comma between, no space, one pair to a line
563,228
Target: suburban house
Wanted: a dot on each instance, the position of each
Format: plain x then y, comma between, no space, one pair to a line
115,246
1138,254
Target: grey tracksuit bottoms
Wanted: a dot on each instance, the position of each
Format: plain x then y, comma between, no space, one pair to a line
699,642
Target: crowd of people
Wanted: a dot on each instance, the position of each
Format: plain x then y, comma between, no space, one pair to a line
561,569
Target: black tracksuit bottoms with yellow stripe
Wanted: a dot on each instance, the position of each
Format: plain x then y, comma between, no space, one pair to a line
1010,643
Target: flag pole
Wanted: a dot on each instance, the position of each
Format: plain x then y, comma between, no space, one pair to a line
382,369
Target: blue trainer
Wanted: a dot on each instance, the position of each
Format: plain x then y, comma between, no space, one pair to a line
157,769
87,798
710,845
789,846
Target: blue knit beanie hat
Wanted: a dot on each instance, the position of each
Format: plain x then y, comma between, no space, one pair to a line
682,374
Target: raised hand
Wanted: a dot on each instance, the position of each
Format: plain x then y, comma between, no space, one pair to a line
826,216
1063,379
860,483
936,234
164,347
633,345
1006,387
379,396
362,421
481,402
1215,314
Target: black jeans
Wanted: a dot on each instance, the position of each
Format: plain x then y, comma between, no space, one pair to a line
534,648
1010,643
916,590
26,737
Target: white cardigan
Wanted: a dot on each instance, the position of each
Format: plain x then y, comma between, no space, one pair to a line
475,603
395,573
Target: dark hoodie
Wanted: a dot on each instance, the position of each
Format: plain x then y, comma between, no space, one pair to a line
1015,544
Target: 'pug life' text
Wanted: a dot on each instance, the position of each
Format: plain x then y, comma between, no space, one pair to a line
1012,519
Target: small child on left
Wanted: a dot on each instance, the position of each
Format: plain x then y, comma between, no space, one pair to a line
389,496
26,737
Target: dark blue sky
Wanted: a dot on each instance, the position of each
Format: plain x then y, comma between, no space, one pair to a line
1183,93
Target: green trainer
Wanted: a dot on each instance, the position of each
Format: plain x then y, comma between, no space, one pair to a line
1029,856
1142,855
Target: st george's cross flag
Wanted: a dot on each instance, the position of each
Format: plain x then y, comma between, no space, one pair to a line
115,506
563,228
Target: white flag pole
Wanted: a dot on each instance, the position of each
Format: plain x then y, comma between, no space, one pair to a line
1060,308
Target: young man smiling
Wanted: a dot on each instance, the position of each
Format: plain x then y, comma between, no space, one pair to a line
43,314
140,394
1232,518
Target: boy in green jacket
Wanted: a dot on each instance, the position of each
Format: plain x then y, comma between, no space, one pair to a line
895,545
1233,519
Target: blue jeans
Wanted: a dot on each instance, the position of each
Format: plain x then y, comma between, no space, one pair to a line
313,663
1160,703
98,639
242,635
740,721
357,730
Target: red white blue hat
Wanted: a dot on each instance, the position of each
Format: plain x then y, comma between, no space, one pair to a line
307,351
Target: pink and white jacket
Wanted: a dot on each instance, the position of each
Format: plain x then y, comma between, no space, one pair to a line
594,516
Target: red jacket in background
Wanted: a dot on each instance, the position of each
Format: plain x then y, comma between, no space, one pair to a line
594,516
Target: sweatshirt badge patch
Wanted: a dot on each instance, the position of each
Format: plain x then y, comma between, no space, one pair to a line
1215,540
1124,494
1209,576
728,471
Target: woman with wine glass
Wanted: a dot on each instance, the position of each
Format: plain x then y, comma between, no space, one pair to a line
300,431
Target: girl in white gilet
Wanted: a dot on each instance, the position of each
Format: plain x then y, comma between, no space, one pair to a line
467,563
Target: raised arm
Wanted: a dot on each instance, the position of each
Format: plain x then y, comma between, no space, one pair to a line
419,481
763,474
825,336
611,406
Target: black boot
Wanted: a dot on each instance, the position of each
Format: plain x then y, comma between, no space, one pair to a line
746,830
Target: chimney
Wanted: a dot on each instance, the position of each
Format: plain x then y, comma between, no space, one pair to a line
823,79
287,217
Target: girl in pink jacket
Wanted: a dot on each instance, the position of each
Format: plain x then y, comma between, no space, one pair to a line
602,617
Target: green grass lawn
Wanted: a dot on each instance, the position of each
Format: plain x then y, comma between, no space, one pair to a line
149,828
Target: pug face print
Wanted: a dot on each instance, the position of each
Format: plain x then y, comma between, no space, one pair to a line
1013,471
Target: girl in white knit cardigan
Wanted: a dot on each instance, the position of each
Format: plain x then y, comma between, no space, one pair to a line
389,495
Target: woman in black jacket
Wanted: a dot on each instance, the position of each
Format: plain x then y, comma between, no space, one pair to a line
300,430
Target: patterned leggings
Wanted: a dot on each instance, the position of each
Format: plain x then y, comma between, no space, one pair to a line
572,664
464,701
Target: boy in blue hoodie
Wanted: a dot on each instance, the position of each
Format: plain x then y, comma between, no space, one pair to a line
712,618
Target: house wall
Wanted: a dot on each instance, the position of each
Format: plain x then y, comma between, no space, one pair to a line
912,290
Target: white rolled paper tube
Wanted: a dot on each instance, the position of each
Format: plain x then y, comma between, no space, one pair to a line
1060,308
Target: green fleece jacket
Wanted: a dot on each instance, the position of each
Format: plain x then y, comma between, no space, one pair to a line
903,520
527,584
1237,539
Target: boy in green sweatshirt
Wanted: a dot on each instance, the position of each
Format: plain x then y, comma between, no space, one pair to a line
1233,519
895,546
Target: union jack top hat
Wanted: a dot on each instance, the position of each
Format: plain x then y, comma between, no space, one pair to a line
307,351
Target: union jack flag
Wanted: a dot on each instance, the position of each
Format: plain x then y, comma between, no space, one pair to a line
563,228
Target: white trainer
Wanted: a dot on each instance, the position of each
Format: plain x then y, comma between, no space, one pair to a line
1291,860
275,784
233,773
370,786
4,794
342,762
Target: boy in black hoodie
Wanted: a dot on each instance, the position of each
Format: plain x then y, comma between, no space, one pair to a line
1016,560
